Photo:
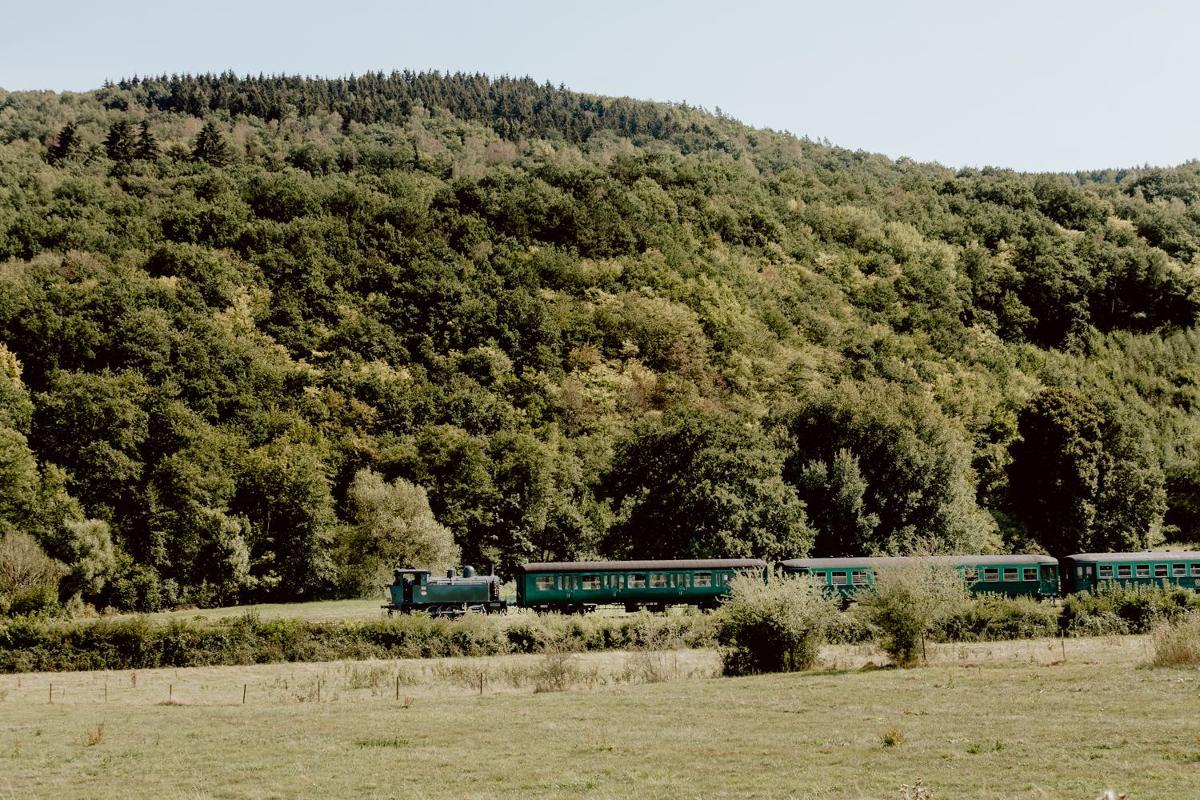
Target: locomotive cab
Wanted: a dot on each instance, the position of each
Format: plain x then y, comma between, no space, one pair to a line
408,585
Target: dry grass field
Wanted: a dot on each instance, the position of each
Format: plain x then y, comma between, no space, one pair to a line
989,721
319,611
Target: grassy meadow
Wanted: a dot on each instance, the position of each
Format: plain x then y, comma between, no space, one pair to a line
999,720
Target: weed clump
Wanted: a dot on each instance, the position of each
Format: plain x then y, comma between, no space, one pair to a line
559,670
776,627
1177,644
93,736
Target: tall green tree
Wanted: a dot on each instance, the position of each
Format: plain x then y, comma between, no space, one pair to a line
1054,475
883,470
837,508
699,485
19,480
1083,480
94,426
285,494
391,525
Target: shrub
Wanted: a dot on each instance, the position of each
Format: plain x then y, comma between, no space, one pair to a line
1177,644
1117,608
28,577
776,627
34,600
907,603
28,644
994,617
847,628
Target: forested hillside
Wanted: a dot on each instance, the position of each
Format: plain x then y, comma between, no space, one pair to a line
262,338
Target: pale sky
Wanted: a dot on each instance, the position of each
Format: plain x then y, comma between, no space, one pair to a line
1029,85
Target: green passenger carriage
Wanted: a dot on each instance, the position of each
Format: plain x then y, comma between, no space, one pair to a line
580,586
1033,575
1087,571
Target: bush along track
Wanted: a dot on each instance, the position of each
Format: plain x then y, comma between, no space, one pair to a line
31,644
35,644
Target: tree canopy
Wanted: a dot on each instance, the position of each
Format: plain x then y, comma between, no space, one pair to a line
260,335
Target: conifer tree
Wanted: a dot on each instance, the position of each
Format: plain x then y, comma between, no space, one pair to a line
66,145
146,148
121,146
210,146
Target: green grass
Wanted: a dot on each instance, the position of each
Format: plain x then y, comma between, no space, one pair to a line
986,721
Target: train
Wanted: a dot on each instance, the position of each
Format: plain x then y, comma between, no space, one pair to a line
583,586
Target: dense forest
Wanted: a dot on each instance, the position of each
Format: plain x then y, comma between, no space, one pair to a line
263,338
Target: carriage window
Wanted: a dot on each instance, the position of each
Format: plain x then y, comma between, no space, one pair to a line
991,574
858,577
636,581
971,574
1124,571
1196,570
658,580
839,579
1178,570
545,583
1029,574
703,579
1143,570
1105,570
1160,570
591,581
1010,573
